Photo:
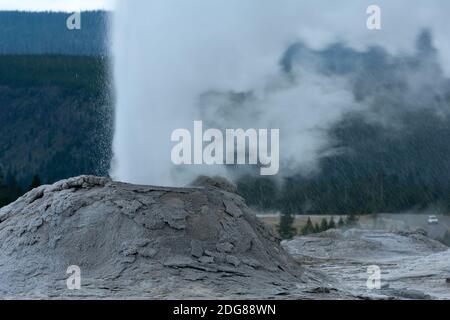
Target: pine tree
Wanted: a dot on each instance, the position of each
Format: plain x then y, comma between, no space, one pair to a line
352,220
341,223
332,224
285,228
316,228
308,227
324,225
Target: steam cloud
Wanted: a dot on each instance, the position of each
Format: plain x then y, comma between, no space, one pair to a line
262,64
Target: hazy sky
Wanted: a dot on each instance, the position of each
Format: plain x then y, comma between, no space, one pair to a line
55,5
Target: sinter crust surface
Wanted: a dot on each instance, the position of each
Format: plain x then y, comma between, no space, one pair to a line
135,241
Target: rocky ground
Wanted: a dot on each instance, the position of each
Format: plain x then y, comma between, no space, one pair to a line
412,265
201,242
146,242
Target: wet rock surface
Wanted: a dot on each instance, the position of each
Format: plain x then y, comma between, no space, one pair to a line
412,265
146,242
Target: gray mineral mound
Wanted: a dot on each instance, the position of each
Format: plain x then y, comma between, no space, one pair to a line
135,241
412,265
363,245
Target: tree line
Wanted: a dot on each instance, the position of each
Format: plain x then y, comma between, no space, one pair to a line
287,231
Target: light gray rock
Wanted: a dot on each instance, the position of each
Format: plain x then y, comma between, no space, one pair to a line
412,265
143,242
224,247
233,260
232,209
196,248
216,182
206,259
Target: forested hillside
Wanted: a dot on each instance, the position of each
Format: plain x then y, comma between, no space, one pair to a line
55,119
47,33
55,105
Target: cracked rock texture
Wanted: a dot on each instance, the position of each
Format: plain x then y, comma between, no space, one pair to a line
135,241
412,265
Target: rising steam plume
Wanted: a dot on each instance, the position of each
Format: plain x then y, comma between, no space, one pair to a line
250,64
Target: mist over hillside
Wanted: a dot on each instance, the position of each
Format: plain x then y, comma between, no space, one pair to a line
388,154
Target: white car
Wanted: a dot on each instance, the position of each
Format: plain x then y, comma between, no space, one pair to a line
433,220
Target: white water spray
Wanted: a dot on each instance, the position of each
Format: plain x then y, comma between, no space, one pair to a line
168,53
